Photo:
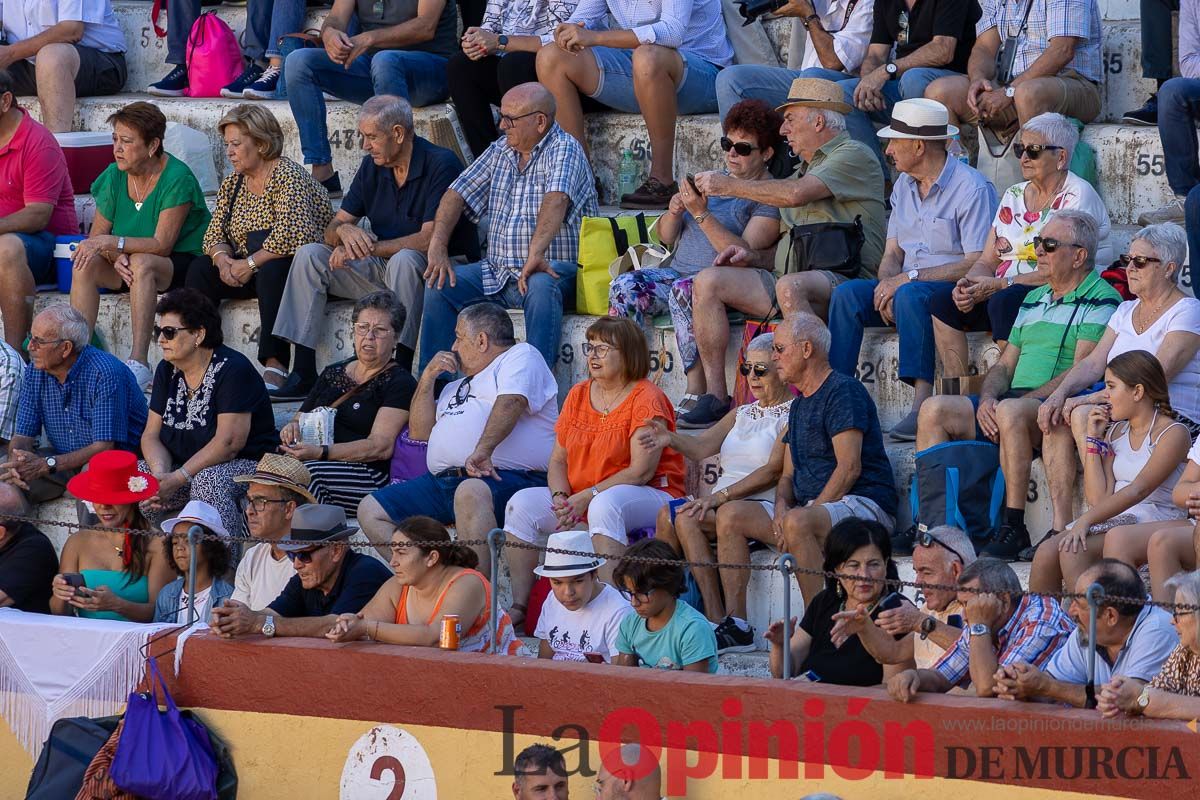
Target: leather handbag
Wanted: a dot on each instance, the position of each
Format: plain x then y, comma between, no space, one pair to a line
829,246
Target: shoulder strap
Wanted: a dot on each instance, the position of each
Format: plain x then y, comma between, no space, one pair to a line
437,607
1164,432
358,387
237,190
1025,19
155,12
620,238
853,3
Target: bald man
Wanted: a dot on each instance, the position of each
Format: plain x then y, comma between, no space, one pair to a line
535,186
620,785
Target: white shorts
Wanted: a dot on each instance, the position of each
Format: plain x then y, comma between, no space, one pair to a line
612,513
857,507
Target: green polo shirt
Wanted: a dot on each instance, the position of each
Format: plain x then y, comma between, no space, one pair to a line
1047,330
854,178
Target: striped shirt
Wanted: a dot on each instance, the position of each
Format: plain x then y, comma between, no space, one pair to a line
1036,629
1048,19
12,372
496,185
696,27
1047,330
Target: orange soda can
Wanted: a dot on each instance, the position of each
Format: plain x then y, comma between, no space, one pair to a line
450,631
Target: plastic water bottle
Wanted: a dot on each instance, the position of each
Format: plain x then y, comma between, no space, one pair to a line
627,174
956,150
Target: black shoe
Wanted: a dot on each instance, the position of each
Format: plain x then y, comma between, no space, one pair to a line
1146,115
296,387
732,639
706,413
1008,543
651,195
1027,553
903,542
333,185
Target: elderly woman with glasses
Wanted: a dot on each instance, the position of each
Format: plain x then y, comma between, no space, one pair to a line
369,395
741,507
1174,693
696,228
989,296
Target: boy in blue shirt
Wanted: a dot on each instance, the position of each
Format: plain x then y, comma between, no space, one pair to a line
666,633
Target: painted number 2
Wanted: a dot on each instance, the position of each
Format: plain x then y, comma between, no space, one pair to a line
390,764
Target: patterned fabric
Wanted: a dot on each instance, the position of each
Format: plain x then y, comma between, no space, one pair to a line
495,185
344,483
1180,673
214,485
294,207
1048,19
1015,225
12,373
526,17
1035,630
643,294
691,26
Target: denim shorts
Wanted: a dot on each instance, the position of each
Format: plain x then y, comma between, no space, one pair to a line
433,495
39,255
696,93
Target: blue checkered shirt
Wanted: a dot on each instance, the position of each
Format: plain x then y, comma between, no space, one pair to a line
495,185
1048,19
12,374
1036,629
99,402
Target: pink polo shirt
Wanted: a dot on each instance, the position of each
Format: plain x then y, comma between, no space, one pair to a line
34,170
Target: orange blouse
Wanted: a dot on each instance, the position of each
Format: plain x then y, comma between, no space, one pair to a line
598,445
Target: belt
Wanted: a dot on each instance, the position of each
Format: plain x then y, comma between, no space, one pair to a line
453,472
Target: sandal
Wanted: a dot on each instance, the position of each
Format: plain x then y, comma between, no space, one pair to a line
283,376
686,403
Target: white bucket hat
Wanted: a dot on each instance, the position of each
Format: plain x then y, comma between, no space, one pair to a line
919,118
201,513
561,565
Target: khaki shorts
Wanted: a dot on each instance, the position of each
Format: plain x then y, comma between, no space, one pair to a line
835,279
1080,99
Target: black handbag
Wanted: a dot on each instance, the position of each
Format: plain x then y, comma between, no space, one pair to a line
830,246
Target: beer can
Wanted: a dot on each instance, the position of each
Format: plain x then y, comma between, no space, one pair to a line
450,631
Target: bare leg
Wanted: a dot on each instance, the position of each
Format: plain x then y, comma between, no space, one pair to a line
521,563
1062,465
804,532
1046,573
694,537
1170,552
657,70
1017,420
952,93
376,524
566,75
86,280
737,523
696,383
804,291
151,275
951,346
1131,543
945,418
1075,564
57,65
712,290
474,517
609,549
16,291
664,530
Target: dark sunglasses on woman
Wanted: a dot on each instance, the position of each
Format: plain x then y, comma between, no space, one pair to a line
758,369
1034,150
741,148
1137,262
169,332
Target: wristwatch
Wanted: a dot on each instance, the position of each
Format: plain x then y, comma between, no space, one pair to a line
268,628
928,626
979,629
1009,280
120,244
809,20
891,69
1010,91
912,276
51,464
250,263
1143,699
502,43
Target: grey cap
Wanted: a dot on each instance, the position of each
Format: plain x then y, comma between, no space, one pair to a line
315,525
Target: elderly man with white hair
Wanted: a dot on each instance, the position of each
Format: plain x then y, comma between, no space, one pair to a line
832,206
941,217
912,634
836,467
82,399
631,780
397,189
1058,325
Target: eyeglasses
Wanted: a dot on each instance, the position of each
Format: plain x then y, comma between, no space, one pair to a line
741,148
505,118
1137,262
1176,613
929,540
34,341
259,504
303,556
1050,245
1034,151
168,332
637,598
597,350
758,369
365,330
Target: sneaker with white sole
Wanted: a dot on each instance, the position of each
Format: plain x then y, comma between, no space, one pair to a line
264,88
1171,212
141,373
733,638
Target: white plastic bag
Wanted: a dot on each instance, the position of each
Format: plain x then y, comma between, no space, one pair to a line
193,148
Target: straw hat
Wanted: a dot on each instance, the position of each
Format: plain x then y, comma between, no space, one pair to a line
113,478
919,118
816,93
279,470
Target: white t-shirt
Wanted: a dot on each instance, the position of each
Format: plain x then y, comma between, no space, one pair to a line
203,606
1183,316
24,19
260,578
591,629
465,405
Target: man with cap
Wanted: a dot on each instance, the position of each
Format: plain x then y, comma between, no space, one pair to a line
330,579
581,616
941,215
277,487
838,181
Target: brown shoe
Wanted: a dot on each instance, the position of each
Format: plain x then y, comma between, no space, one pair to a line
653,194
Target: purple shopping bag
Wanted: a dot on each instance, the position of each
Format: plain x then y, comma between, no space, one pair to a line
408,458
163,755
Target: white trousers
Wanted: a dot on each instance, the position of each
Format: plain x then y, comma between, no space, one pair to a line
612,513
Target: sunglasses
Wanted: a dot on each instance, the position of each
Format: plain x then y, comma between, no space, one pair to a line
929,540
741,148
1137,262
303,556
758,369
168,332
1034,151
1050,245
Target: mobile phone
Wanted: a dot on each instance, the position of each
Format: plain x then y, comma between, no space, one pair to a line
594,658
893,600
812,676
955,620
691,179
75,579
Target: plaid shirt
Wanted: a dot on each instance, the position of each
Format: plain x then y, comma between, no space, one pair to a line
1035,630
1048,19
495,185
99,402
12,372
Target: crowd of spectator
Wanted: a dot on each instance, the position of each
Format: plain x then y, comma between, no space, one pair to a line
435,253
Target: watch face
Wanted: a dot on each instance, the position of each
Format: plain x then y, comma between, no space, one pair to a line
979,630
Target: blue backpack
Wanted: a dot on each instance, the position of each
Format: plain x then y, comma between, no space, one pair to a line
959,484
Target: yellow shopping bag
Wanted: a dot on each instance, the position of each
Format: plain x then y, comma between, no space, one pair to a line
602,240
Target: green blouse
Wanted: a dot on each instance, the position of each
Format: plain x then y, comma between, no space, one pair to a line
176,186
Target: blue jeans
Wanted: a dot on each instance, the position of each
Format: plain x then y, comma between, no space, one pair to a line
911,84
750,81
695,94
852,309
416,76
266,22
433,496
1178,112
543,306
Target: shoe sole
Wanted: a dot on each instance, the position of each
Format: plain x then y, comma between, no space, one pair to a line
233,95
644,206
286,398
1144,221
737,648
1136,121
250,94
165,92
902,437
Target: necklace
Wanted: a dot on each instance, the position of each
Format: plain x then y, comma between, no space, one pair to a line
609,405
139,195
1150,316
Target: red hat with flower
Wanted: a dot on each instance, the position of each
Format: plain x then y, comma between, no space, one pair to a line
112,478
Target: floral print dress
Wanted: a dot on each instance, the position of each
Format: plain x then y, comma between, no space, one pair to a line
1015,225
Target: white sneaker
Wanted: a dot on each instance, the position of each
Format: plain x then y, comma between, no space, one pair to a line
141,374
1171,212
